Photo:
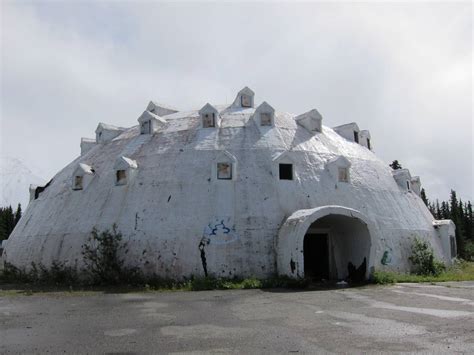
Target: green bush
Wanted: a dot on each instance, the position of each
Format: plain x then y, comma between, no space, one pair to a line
104,259
58,274
423,259
469,251
384,277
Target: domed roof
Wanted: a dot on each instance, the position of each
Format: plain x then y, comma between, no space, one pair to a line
223,178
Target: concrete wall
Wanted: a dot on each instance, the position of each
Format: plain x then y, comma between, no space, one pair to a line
177,218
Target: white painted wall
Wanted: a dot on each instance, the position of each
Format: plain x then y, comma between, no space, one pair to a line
173,203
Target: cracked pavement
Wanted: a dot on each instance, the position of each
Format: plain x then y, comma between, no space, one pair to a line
399,318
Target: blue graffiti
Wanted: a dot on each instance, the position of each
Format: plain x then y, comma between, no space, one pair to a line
219,233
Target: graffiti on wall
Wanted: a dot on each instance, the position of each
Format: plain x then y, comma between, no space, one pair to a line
387,257
220,232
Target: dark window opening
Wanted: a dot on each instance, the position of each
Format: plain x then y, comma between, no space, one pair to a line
356,136
368,144
146,127
408,185
316,256
286,171
121,177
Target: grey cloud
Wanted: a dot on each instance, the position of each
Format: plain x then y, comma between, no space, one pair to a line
401,70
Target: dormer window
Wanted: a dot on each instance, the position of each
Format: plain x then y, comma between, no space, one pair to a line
208,120
105,133
286,171
246,101
339,169
82,176
78,182
120,177
224,171
343,174
209,116
264,115
150,122
311,120
356,136
125,170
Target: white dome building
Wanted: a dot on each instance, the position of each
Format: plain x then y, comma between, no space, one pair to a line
232,191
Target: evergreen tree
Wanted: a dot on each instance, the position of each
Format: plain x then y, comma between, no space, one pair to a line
461,214
7,222
424,198
456,218
18,213
395,165
438,210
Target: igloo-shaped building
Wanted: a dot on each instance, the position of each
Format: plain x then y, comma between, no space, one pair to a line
232,190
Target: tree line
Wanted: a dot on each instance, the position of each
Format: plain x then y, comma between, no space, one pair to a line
8,220
460,212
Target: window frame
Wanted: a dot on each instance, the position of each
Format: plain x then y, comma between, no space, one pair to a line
230,165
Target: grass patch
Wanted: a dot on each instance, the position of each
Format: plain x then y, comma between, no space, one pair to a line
461,271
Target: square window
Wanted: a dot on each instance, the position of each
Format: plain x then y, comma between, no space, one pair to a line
208,120
265,119
286,171
343,175
356,136
246,101
78,182
121,177
224,171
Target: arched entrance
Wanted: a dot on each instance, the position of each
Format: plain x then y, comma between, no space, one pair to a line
330,242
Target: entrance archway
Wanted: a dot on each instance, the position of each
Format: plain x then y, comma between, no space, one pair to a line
326,243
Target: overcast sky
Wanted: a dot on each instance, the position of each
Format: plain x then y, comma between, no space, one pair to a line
401,70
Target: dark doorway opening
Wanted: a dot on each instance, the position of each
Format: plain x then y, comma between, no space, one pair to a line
316,256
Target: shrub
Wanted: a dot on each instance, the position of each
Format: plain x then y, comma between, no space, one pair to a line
469,251
384,277
58,274
423,259
104,259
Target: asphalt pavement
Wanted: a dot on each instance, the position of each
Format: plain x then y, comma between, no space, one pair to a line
375,319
